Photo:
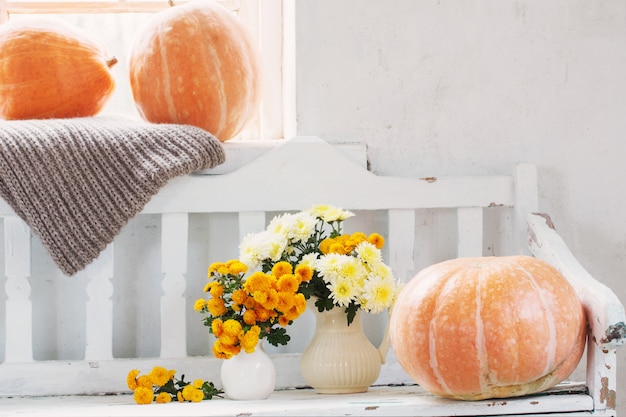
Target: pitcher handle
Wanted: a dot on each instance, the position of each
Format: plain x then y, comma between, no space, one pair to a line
386,342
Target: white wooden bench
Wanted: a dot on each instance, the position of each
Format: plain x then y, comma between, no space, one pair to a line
424,220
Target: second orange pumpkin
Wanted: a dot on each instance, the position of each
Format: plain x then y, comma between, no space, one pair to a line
196,64
490,327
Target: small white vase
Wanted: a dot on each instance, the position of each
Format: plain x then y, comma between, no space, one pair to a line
249,376
340,359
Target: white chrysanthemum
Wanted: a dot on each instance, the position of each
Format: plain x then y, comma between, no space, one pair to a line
274,247
378,294
280,224
368,253
380,269
343,291
330,213
249,252
302,227
352,269
257,247
329,266
310,260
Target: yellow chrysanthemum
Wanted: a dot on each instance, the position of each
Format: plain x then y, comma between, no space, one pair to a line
231,350
286,300
236,267
325,245
249,317
215,267
216,290
217,327
271,300
131,379
258,281
288,283
225,351
291,314
262,314
239,296
300,303
193,394
163,398
179,397
218,351
339,248
143,395
260,296
144,381
249,303
197,395
345,240
216,307
283,321
232,327
281,268
249,341
198,383
376,240
304,273
200,304
187,390
358,237
228,340
159,376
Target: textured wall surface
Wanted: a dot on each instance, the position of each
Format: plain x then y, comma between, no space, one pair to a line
472,87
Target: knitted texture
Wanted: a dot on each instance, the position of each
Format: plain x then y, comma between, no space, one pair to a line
77,182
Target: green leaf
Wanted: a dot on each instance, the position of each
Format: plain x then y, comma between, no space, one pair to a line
278,336
169,388
351,312
210,391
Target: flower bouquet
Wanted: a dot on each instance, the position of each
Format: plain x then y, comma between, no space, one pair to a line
343,270
241,310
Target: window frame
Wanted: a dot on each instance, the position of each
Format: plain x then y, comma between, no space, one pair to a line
271,24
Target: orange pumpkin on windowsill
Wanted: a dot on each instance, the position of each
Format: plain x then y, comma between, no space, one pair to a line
196,64
50,69
489,327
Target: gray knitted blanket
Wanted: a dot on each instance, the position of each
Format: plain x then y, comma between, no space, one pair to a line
77,182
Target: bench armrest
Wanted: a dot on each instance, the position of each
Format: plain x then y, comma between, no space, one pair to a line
605,312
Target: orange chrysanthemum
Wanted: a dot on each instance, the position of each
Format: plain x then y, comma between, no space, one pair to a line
281,268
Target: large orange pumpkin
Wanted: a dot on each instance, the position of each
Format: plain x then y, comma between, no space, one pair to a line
49,69
488,327
196,64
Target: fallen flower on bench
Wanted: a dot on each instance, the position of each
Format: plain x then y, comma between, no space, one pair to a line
162,386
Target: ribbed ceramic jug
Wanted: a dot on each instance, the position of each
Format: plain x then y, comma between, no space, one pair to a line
340,359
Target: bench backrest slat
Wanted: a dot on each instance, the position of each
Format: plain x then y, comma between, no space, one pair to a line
19,316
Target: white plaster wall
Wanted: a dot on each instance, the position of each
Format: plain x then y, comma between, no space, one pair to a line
473,86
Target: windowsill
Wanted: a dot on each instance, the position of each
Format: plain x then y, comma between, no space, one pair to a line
242,152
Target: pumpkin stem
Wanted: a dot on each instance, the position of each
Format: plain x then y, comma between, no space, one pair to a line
111,61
